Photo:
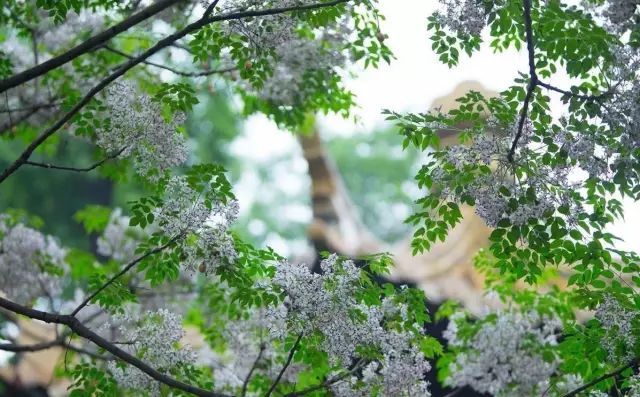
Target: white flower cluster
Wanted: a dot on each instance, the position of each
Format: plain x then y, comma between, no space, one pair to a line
551,185
465,17
503,357
568,383
185,212
154,337
619,12
622,110
27,258
244,341
294,59
326,303
584,150
634,386
291,55
617,321
398,373
138,127
119,240
267,32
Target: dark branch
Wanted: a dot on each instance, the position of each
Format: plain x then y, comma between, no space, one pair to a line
12,123
172,70
574,95
58,342
79,329
15,348
533,77
209,9
601,378
122,272
85,169
285,366
33,107
84,47
329,382
253,368
120,71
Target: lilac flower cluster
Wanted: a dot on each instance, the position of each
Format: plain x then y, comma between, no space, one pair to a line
618,323
503,357
326,303
155,338
464,17
138,129
28,261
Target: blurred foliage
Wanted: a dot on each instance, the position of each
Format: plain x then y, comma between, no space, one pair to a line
376,172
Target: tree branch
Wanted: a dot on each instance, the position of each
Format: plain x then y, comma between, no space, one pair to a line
28,108
329,382
209,9
78,328
85,47
286,365
253,368
58,342
574,95
12,123
172,70
167,41
533,77
601,378
124,270
85,169
15,348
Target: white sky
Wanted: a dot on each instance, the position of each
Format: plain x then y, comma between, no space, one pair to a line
411,83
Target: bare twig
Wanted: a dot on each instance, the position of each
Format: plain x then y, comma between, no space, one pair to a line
122,272
209,9
58,342
76,169
32,107
601,378
574,95
285,366
172,70
253,368
12,123
329,382
533,77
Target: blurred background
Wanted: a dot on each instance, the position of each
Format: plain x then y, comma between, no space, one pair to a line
343,185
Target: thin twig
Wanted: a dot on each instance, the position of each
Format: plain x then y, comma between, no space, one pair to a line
32,107
13,123
285,366
75,169
172,70
209,9
58,342
124,270
533,77
601,378
329,382
253,368
575,95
